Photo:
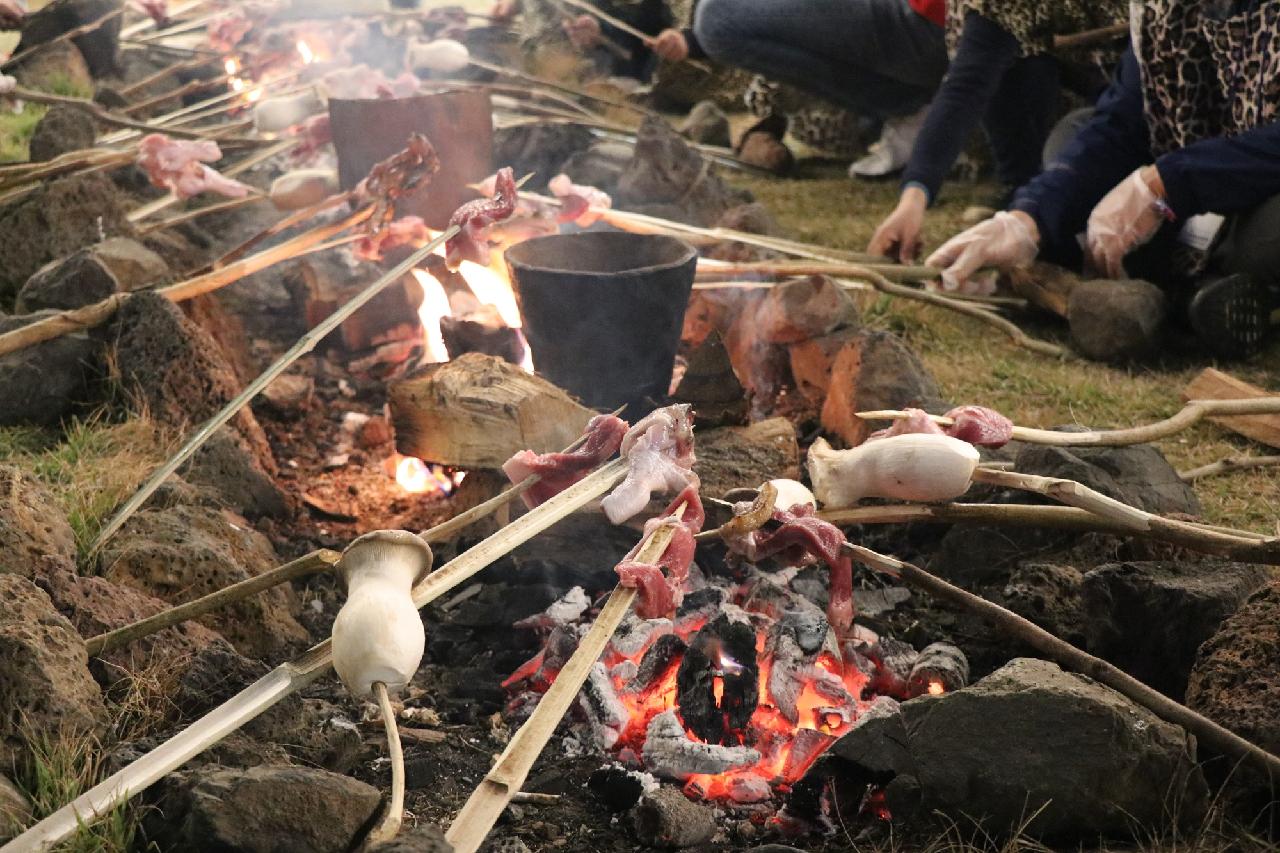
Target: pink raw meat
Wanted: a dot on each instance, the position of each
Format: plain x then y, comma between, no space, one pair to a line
661,593
580,205
406,231
559,471
475,217
179,166
981,426
659,450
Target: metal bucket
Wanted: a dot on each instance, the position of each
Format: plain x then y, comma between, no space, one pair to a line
603,312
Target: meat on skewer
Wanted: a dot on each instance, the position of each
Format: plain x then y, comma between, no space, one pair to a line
661,592
977,425
181,167
659,450
476,217
559,471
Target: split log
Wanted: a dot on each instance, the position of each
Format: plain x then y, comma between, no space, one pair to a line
477,410
327,284
1211,384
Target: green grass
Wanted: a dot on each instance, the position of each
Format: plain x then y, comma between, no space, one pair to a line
16,130
974,363
90,468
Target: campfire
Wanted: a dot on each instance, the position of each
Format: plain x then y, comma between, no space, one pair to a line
585,495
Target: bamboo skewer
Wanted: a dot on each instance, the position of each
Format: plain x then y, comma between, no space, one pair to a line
106,116
316,561
177,67
611,20
97,313
1206,731
168,201
557,87
288,678
304,345
191,215
1071,493
142,26
1190,414
508,774
1229,465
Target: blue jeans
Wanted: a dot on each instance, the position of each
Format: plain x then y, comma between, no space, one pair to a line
871,57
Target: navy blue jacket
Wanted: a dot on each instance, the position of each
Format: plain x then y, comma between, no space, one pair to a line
1223,175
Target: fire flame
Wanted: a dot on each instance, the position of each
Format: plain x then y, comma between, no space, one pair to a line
435,305
418,478
305,51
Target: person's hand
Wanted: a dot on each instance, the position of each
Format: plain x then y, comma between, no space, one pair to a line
503,11
583,32
671,45
1126,218
899,235
1008,240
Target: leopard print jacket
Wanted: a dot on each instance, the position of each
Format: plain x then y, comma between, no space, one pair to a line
1034,23
1209,68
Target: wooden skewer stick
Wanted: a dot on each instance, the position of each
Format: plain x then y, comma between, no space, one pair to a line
180,92
1206,731
150,79
74,33
1240,545
144,25
508,774
1190,414
141,213
769,270
316,561
1071,493
190,215
1229,465
557,87
304,345
310,564
97,313
106,116
288,678
611,20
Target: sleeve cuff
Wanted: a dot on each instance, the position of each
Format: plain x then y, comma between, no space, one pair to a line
1178,193
920,185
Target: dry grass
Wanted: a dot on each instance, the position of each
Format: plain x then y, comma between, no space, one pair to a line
974,364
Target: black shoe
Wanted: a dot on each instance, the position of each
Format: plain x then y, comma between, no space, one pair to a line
1231,316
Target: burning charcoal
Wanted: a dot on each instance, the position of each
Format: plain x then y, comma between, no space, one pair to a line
806,746
636,635
666,818
669,752
618,788
482,331
786,676
893,660
604,709
538,672
941,668
749,788
656,663
624,672
563,611
718,681
808,626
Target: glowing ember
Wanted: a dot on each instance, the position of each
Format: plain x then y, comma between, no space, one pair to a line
304,50
414,476
231,66
936,688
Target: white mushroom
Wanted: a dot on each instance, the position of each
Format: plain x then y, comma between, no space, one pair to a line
790,493
378,635
303,188
444,55
915,467
272,115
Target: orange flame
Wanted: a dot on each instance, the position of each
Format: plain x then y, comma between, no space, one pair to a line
305,51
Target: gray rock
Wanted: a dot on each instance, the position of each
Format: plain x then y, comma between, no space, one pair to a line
133,264
1048,594
539,148
423,838
15,809
70,282
1116,320
58,218
803,309
60,130
32,525
42,384
58,66
1031,740
736,457
180,553
599,166
265,809
226,467
1138,475
667,818
666,171
1150,618
875,370
100,47
44,669
706,124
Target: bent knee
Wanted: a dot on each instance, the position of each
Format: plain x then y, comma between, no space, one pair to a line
720,27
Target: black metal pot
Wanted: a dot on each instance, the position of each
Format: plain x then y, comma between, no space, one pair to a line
603,312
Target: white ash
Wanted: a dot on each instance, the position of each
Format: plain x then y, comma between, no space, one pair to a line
565,610
422,716
635,635
749,788
605,711
352,421
669,752
625,671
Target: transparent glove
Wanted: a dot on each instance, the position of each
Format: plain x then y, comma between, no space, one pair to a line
1126,218
671,45
503,11
583,32
1005,241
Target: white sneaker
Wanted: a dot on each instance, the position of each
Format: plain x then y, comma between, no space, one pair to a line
892,151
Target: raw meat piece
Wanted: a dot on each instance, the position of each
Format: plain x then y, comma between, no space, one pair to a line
475,218
228,30
157,10
179,166
559,471
803,538
8,84
659,450
315,133
980,425
577,202
916,421
661,593
362,83
406,231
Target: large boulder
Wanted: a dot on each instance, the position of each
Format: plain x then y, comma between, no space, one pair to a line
32,525
100,45
265,809
133,264
45,685
744,457
54,220
874,370
182,552
666,172
70,282
60,130
1149,618
1031,743
42,384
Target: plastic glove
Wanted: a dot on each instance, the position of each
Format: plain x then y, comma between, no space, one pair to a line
671,45
583,32
1005,241
899,235
503,11
1126,218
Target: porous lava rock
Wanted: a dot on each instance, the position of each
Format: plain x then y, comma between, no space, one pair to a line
100,45
42,384
32,525
874,370
736,457
60,130
69,282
